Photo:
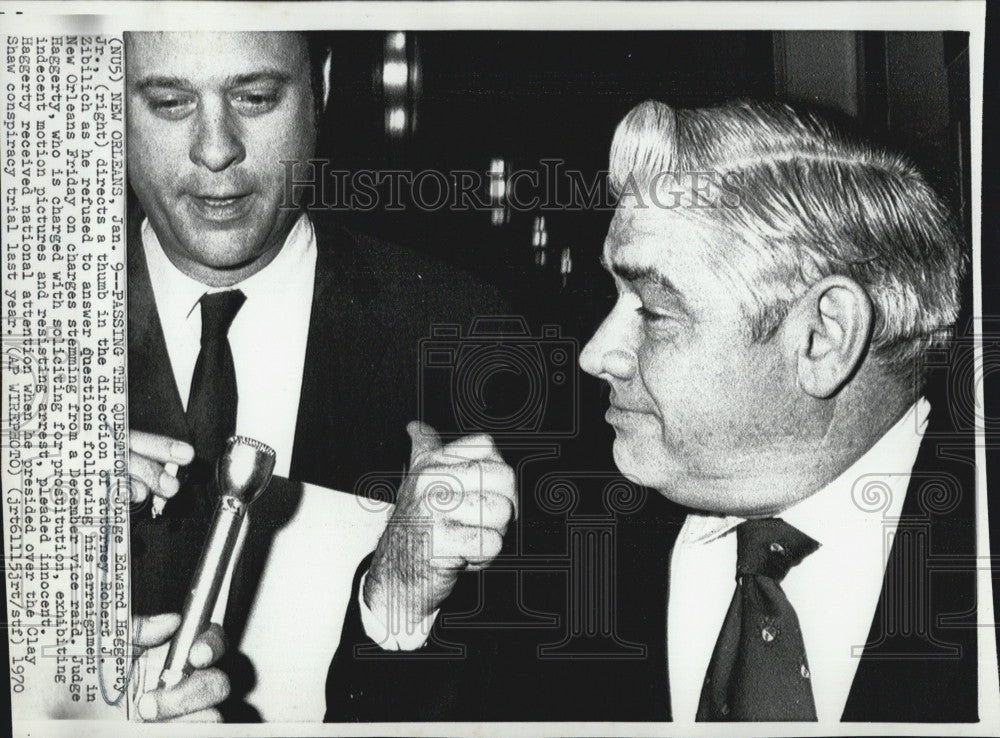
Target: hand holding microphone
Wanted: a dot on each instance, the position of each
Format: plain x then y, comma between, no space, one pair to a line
452,511
194,698
242,473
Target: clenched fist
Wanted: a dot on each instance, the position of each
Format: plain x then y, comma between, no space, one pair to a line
452,511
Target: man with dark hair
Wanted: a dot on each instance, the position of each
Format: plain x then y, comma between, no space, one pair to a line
248,316
765,362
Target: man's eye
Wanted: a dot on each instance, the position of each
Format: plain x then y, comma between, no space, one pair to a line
172,107
256,102
649,316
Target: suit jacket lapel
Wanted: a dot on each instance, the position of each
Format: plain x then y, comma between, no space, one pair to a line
643,579
341,351
919,663
154,403
653,555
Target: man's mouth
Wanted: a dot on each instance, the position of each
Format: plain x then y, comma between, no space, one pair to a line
616,414
222,208
623,412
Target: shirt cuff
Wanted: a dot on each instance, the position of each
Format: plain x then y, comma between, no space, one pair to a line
409,640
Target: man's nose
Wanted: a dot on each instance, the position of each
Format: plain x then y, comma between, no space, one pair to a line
218,143
610,353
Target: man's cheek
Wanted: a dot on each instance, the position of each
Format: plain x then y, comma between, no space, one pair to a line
666,376
271,178
293,143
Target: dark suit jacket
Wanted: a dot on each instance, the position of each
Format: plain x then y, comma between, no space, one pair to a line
533,639
372,304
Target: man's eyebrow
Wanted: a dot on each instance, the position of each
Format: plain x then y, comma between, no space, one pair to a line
631,273
158,80
267,75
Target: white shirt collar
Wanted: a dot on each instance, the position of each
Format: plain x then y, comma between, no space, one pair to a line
177,294
828,509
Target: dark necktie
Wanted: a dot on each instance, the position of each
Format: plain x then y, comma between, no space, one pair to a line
759,669
211,409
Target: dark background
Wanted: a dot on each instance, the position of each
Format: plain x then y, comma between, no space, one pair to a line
529,96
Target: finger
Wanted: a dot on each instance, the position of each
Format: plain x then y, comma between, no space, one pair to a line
202,690
152,630
145,470
154,475
160,448
424,440
447,456
466,547
479,447
202,716
455,546
208,647
486,510
486,545
138,490
443,489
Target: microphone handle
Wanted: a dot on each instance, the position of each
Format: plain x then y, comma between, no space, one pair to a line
205,586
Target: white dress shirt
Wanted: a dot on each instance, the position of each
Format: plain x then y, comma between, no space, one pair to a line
268,340
267,337
834,591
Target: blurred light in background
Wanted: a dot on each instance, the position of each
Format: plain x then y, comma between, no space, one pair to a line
401,83
539,236
396,121
498,192
394,75
565,264
539,240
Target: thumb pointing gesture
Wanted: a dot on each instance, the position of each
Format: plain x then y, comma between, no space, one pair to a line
427,543
425,441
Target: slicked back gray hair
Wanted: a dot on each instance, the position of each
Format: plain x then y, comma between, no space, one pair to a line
810,201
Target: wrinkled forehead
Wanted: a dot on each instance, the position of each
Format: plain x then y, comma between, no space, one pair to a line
695,255
657,236
197,56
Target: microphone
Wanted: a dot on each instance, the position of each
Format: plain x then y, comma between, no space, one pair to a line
242,473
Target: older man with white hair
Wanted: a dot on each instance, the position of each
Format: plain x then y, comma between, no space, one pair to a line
780,286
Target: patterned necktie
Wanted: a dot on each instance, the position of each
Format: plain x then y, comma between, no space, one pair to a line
211,409
759,670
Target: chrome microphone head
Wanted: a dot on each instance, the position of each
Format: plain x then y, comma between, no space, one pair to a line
244,469
242,472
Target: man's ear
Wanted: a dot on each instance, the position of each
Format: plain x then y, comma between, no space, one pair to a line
830,327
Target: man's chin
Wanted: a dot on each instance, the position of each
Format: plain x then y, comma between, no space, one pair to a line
636,470
228,248
219,259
